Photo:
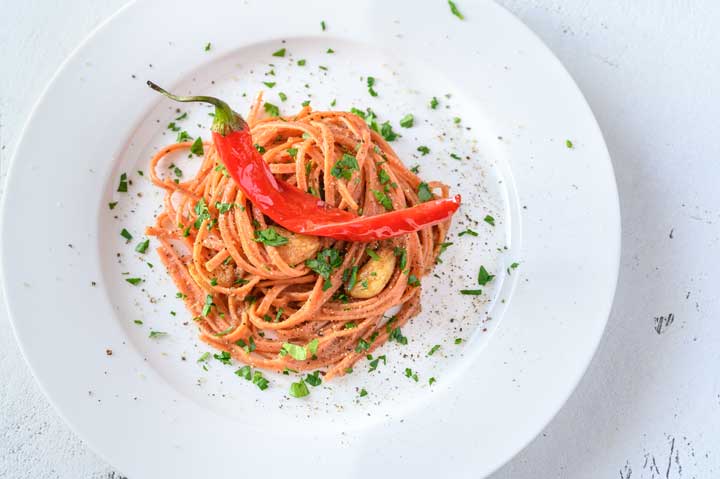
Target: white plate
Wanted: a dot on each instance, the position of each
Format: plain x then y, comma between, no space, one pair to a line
526,341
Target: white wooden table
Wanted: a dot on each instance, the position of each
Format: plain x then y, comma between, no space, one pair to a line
649,406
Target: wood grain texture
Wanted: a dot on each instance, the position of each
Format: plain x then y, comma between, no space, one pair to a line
649,406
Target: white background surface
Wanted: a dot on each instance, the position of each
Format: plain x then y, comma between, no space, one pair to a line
649,406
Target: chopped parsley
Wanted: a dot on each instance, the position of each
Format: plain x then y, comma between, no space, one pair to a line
407,121
458,340
457,120
334,102
330,50
312,346
224,357
223,207
180,295
362,345
157,334
257,378
383,199
387,132
424,193
484,277
269,84
299,389
370,84
301,62
363,393
271,109
182,117
443,247
270,237
434,103
260,381
351,281
225,332
512,266
297,352
282,96
205,356
410,374
344,167
568,143
112,205
292,152
244,372
383,176
279,53
350,325
142,246
123,184
173,127
197,147
178,172
397,336
402,253
455,156
454,10
413,281
208,45
489,220
126,234
322,25
468,231
305,103
431,381
415,169
208,305
471,292
376,362
259,148
248,347
433,350
221,168
313,379
202,212
423,149
137,321
372,254
134,281
183,136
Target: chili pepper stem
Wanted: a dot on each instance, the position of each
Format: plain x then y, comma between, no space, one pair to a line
226,120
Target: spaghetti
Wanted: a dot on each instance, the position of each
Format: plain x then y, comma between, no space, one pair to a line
279,300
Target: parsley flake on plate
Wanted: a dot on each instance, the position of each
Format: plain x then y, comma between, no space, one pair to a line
407,121
123,184
471,292
454,10
299,389
484,277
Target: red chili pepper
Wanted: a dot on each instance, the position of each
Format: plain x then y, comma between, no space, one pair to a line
295,209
